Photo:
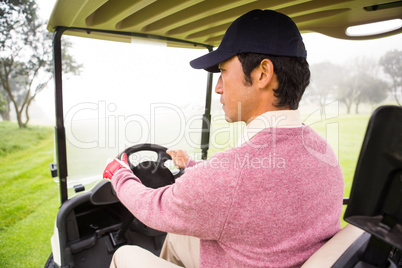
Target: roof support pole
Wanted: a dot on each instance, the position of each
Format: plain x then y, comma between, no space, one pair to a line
60,133
206,117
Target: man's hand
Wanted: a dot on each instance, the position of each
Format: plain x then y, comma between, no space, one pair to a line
179,157
115,165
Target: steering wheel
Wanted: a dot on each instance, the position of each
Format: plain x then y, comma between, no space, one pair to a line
153,174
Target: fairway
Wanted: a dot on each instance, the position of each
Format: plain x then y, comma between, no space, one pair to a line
30,200
29,196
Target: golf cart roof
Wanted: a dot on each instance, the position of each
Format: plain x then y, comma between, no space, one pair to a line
203,22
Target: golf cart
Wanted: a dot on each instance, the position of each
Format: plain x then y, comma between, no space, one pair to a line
92,223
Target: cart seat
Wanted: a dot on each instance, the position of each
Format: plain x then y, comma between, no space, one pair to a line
350,239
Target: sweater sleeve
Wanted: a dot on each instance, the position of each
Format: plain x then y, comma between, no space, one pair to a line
192,162
195,205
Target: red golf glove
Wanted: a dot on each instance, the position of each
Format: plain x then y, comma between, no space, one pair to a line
115,165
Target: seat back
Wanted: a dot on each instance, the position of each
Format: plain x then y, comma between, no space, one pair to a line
374,236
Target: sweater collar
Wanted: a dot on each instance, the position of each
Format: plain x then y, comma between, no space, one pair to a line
271,119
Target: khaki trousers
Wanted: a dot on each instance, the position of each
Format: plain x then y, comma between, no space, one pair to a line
177,251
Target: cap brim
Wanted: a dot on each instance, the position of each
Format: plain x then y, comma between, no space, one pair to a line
210,61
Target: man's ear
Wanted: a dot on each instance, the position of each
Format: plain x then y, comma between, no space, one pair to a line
266,73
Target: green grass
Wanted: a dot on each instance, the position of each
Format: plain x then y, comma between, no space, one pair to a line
28,195
14,139
30,201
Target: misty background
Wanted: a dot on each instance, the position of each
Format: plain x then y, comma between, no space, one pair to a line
332,61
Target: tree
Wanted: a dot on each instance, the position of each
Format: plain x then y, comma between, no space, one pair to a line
348,92
3,103
392,66
324,82
372,90
25,55
353,81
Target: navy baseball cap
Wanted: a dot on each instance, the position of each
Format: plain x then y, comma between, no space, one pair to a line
258,31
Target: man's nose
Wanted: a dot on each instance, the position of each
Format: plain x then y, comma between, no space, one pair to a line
218,87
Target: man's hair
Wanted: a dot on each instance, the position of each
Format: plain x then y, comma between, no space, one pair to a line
293,76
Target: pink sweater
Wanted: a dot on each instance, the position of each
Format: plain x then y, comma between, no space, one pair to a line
270,203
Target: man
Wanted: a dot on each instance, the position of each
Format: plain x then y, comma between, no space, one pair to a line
274,199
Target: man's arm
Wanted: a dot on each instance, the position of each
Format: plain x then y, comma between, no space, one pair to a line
196,205
181,159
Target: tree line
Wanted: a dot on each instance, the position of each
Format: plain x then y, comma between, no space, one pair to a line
363,80
26,68
25,58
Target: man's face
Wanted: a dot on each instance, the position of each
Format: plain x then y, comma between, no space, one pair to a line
239,98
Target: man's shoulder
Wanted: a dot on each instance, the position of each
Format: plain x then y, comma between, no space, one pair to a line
298,133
